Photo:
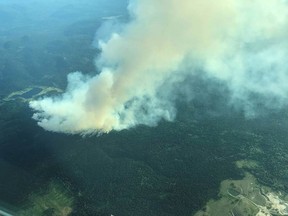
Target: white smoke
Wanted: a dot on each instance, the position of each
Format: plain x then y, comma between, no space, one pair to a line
240,42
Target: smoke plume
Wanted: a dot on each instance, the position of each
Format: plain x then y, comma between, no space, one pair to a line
242,43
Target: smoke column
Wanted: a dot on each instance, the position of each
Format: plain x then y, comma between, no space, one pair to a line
243,43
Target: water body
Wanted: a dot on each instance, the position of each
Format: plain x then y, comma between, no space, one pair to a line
31,93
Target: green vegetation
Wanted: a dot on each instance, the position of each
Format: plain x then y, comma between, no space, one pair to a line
54,201
172,169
